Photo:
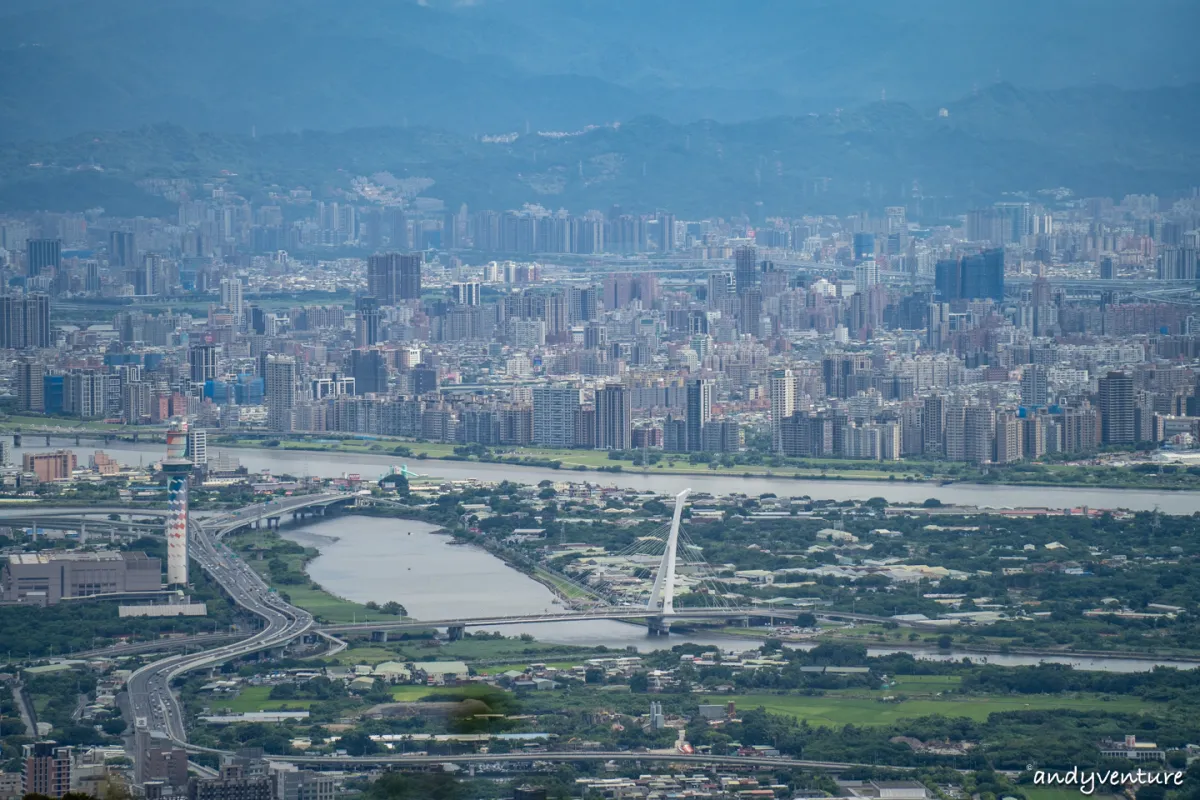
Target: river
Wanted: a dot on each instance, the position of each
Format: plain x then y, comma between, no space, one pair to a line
369,558
403,560
330,465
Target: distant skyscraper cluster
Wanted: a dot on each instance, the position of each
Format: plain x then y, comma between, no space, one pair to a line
1023,330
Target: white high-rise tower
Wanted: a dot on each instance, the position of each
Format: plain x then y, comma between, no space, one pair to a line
177,468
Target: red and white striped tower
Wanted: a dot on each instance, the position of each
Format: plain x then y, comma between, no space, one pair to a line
177,468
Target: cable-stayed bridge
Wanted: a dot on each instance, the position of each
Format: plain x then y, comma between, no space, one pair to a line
678,555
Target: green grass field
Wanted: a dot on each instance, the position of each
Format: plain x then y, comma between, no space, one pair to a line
510,650
35,421
364,654
592,459
564,586
257,698
331,608
411,694
924,684
837,710
511,653
321,604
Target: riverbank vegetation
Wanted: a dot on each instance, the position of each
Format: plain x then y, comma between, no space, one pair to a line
754,461
281,564
927,576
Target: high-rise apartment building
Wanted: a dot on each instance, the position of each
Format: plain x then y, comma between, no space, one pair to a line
955,430
281,392
1035,386
42,254
699,403
1033,436
121,249
866,275
46,769
745,269
366,322
973,277
197,446
466,294
150,277
933,425
699,412
31,386
25,321
1010,440
236,782
666,232
718,289
983,276
614,417
291,783
555,411
369,370
782,389
85,393
864,247
1116,408
979,428
392,277
202,362
948,279
423,379
232,296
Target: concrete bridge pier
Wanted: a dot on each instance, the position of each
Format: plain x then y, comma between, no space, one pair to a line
379,636
16,440
47,440
77,440
658,626
456,632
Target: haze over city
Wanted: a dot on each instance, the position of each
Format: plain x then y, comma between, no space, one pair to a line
516,399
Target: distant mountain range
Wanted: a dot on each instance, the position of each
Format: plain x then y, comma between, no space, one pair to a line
491,66
1095,140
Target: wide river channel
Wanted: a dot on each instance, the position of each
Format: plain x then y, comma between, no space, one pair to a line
365,559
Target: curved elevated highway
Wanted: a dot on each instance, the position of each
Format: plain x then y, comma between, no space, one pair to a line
153,705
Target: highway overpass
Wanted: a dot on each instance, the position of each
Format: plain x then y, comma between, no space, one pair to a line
156,711
389,760
619,613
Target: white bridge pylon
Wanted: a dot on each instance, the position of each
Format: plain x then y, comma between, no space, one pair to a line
662,596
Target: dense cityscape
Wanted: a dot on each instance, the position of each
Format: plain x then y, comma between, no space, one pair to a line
525,400
1025,332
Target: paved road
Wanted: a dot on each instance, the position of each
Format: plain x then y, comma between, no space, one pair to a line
177,643
360,762
152,704
615,613
28,716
